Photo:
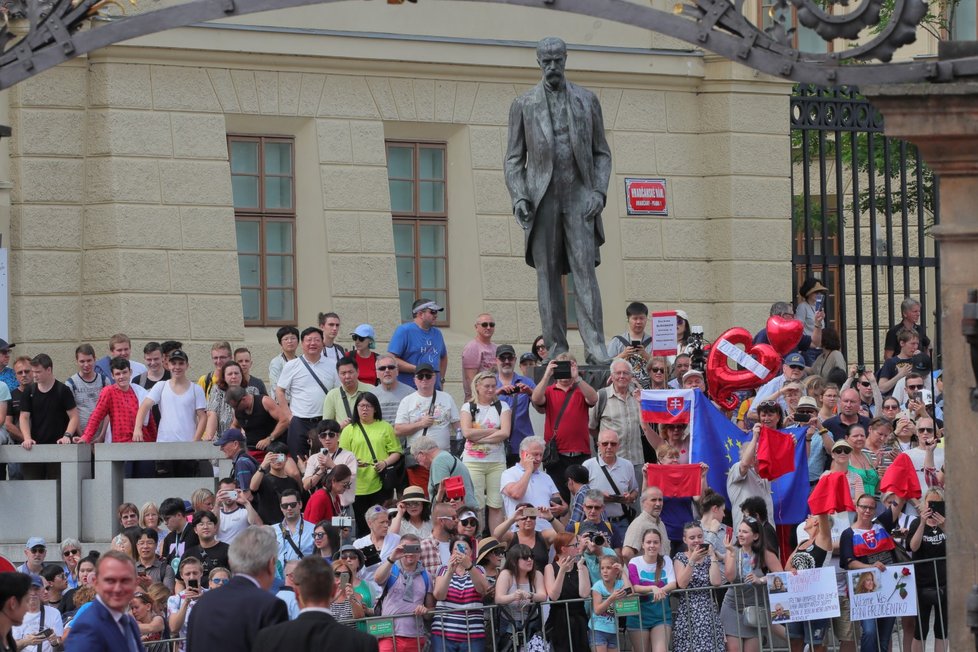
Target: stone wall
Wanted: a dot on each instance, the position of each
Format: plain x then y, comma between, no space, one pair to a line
122,217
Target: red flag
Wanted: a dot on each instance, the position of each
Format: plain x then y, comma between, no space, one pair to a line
775,453
901,478
675,480
831,494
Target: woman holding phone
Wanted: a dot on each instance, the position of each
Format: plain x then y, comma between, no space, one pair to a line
525,518
518,587
460,584
929,544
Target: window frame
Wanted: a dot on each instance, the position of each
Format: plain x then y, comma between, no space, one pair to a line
417,218
264,216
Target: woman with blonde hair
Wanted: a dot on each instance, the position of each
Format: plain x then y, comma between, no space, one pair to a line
486,423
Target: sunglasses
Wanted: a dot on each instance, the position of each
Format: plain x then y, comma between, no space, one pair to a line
591,508
357,338
220,581
38,550
318,535
865,384
924,429
913,387
529,518
424,376
432,312
349,555
507,358
387,367
70,553
469,522
525,557
487,324
329,434
844,451
658,370
292,505
608,443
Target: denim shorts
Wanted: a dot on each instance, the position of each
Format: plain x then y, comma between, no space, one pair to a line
604,638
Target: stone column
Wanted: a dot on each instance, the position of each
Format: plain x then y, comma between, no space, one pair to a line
942,120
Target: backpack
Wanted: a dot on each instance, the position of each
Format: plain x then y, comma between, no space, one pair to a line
473,408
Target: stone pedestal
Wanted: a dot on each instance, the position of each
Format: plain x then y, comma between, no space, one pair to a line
942,120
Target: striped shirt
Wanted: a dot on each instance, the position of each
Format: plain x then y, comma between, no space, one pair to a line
460,625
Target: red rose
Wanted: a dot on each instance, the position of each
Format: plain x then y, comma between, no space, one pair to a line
905,571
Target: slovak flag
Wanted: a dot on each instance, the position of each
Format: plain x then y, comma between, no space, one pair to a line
869,542
666,405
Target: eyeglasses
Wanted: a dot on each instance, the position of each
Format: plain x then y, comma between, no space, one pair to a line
891,407
469,522
591,508
866,506
70,553
291,505
424,376
608,443
924,429
219,581
349,555
387,367
329,434
658,370
487,324
318,535
347,484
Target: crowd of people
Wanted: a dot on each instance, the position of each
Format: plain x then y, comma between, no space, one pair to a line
361,488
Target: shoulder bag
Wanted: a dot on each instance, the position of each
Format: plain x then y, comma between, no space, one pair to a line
550,454
393,476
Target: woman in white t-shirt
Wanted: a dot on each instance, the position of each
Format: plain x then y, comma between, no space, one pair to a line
486,423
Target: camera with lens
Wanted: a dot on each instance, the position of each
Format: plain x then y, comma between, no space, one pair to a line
595,537
516,389
697,356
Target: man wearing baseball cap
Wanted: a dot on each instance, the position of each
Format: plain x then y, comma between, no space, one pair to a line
515,390
7,374
35,551
792,371
419,341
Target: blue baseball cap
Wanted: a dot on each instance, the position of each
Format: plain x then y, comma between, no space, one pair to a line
795,360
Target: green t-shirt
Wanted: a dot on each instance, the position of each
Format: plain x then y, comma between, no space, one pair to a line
384,443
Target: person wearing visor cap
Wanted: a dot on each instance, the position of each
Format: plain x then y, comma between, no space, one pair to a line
419,341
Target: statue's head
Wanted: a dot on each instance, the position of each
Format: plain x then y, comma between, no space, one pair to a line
552,57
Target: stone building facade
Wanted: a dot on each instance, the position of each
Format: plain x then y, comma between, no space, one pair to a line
121,210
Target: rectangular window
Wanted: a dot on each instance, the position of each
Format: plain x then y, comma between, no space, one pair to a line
416,177
263,189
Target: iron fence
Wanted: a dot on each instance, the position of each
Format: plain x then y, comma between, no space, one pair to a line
862,207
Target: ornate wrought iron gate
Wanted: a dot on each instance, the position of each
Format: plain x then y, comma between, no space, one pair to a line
862,206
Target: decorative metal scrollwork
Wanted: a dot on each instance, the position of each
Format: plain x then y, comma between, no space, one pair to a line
56,33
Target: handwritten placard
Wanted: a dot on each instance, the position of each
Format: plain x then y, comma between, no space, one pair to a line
875,593
809,594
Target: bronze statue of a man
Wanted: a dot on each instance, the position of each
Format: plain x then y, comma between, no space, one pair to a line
558,166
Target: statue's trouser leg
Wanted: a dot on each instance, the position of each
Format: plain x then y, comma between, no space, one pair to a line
579,240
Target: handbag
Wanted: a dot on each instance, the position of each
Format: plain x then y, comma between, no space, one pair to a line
550,453
393,476
752,616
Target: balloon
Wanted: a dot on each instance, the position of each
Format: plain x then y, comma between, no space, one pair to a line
784,334
757,364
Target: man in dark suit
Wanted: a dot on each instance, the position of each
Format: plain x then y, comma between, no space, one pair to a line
557,169
315,628
230,617
106,626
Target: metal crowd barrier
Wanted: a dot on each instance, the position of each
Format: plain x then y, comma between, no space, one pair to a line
772,636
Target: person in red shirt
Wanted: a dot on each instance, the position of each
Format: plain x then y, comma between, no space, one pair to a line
121,404
568,423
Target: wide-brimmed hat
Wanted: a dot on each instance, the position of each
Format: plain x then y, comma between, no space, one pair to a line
414,495
486,546
349,548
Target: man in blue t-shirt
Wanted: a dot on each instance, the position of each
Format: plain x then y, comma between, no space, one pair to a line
515,390
419,341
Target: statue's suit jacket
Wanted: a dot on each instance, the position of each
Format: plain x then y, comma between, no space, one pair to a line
530,152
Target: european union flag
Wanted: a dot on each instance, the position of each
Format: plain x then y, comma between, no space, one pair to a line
716,440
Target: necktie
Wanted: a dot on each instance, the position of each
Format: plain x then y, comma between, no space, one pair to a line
128,635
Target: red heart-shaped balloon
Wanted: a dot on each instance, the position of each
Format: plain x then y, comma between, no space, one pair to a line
757,364
784,334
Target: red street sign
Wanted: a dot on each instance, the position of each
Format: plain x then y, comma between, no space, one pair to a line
646,196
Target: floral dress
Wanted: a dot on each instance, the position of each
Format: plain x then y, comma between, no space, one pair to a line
696,623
